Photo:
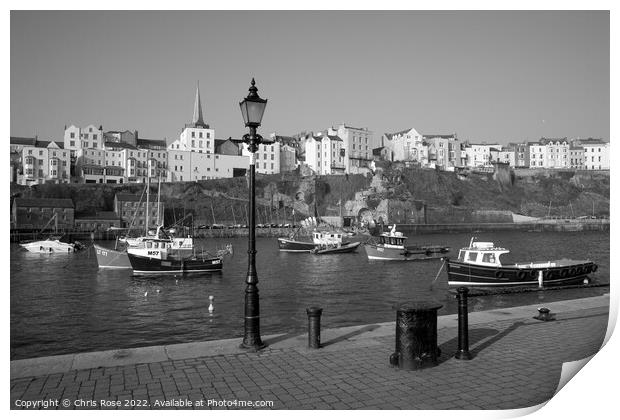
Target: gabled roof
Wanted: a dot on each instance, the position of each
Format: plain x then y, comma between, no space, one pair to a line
390,136
334,138
44,202
545,140
377,150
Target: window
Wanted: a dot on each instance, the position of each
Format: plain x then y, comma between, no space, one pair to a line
72,142
473,256
95,137
193,134
72,136
272,157
200,136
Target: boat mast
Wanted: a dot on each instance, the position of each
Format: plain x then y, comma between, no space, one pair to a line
148,197
158,193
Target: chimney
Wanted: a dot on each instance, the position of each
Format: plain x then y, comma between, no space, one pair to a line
135,134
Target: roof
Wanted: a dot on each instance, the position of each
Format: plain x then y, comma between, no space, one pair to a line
120,145
34,142
377,150
544,140
335,138
441,136
149,144
575,148
591,141
44,202
134,197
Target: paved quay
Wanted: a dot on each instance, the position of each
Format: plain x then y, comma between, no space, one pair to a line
517,362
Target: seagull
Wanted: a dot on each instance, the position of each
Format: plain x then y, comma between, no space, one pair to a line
146,293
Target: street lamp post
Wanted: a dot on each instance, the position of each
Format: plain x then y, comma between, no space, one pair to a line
252,109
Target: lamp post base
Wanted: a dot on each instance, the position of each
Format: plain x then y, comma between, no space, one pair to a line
252,347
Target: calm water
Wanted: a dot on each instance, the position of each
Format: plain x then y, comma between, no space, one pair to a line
64,304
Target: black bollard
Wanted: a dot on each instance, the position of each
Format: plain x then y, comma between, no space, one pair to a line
314,326
416,335
463,352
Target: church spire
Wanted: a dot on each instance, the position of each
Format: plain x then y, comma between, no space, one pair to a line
197,119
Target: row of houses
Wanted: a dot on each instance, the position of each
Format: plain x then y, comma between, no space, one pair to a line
93,155
448,152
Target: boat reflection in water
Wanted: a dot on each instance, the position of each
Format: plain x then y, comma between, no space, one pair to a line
479,265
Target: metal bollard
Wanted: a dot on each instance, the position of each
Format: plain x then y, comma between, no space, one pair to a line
463,351
314,326
416,335
544,314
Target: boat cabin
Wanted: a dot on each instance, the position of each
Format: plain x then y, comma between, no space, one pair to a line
392,239
482,253
327,238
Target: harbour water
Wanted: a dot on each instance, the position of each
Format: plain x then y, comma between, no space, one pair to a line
64,304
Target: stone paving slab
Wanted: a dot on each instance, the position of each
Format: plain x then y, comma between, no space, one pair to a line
517,363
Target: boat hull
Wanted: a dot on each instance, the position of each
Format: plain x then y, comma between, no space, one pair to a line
111,258
349,247
288,245
48,247
564,272
146,265
378,252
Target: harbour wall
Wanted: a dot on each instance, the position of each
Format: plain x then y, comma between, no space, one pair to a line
551,226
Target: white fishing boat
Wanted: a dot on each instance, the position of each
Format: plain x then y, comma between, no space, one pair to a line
49,246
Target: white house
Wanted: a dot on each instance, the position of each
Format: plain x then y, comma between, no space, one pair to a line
41,161
595,153
406,146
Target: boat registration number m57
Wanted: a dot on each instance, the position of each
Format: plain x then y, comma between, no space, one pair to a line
153,252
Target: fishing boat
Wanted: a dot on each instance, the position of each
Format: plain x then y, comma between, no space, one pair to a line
392,246
479,265
118,256
158,256
323,242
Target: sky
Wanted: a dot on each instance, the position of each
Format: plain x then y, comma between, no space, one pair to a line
498,76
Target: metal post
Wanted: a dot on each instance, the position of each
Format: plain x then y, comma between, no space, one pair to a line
463,351
314,326
251,336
